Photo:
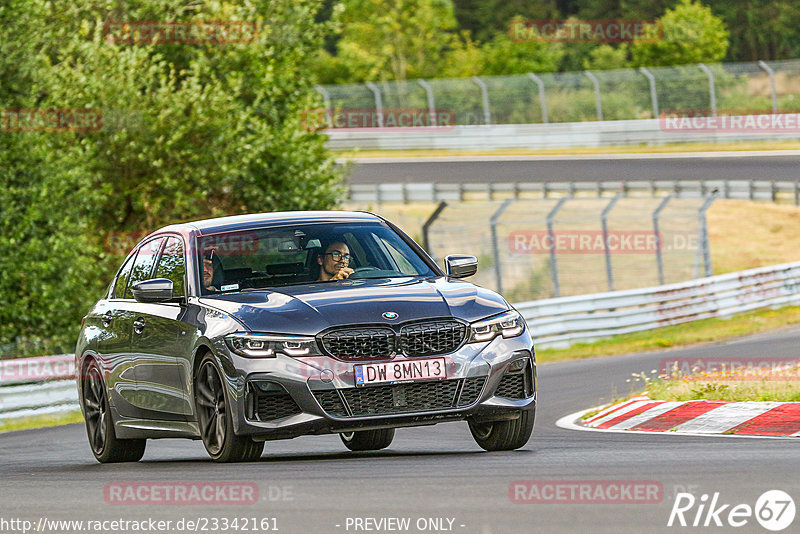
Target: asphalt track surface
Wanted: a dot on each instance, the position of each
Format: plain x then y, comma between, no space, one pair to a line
429,472
581,168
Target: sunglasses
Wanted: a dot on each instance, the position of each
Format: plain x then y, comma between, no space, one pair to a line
338,256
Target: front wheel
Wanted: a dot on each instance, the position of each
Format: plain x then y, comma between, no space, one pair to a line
504,435
215,419
99,426
368,440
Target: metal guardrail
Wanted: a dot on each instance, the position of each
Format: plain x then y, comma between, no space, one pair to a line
561,321
553,322
541,136
767,190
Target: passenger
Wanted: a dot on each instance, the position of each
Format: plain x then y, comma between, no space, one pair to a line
334,262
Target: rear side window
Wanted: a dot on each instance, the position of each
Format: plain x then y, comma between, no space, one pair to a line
122,279
143,266
173,266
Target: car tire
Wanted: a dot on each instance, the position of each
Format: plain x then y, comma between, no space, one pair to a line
214,418
504,435
368,440
103,441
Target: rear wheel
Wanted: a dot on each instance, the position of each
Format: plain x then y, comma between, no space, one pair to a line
99,426
504,435
215,419
368,440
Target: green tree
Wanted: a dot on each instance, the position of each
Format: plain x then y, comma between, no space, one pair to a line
760,29
189,131
395,39
692,34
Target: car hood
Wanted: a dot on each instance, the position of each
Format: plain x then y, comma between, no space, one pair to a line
310,308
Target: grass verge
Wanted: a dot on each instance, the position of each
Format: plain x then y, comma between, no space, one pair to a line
684,335
41,421
624,149
725,390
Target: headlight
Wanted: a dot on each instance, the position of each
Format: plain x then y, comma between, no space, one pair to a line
508,324
268,345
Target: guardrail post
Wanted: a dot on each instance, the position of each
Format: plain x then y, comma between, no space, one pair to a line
653,94
659,243
552,235
498,268
711,91
427,225
702,242
487,116
326,99
604,222
598,102
431,103
766,68
542,96
378,102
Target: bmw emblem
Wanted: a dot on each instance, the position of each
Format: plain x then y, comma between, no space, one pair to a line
390,315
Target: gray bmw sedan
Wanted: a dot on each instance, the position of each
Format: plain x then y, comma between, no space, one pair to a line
244,329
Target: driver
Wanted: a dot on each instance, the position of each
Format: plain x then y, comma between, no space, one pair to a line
334,262
208,271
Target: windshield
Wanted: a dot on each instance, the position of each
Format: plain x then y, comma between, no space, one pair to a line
303,254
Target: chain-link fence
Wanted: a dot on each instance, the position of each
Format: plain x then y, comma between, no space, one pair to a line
581,96
533,249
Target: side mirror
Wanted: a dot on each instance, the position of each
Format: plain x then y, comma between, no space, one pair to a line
460,265
153,290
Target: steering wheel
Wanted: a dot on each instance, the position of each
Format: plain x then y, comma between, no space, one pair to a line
358,272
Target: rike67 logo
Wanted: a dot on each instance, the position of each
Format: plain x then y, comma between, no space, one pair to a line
774,510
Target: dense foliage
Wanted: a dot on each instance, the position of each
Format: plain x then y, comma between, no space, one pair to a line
188,131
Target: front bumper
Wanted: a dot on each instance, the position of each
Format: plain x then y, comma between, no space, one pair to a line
284,397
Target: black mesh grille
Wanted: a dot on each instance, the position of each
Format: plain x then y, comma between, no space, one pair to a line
401,398
435,337
360,344
274,405
512,387
330,402
471,390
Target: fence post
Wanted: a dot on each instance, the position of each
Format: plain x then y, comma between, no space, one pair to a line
378,102
552,235
703,245
326,99
604,222
766,68
598,102
498,268
431,103
653,95
487,116
427,225
659,244
542,96
711,91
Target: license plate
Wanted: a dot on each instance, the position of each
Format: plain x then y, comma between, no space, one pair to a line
405,371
